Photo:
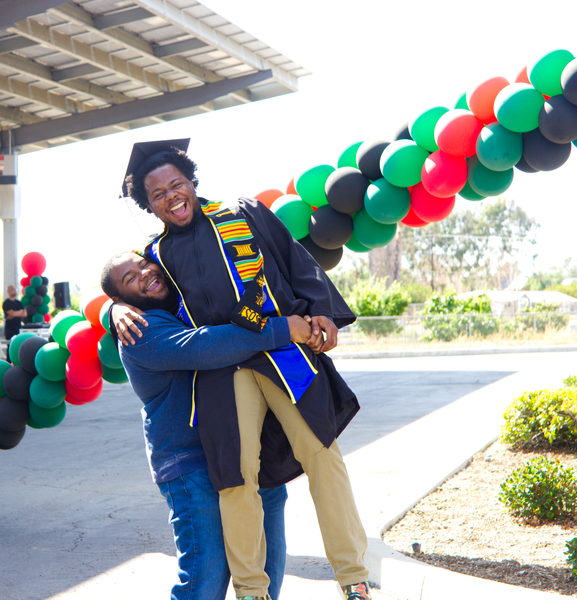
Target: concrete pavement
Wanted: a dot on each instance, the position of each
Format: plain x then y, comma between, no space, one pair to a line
81,519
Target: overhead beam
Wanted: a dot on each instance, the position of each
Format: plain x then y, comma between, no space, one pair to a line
138,109
75,72
178,47
83,51
11,12
78,16
33,69
122,18
15,43
20,117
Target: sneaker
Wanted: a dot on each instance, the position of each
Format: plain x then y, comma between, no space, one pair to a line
357,591
267,597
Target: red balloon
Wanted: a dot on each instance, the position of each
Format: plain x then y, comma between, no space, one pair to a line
33,263
78,396
291,189
428,207
457,131
412,220
83,374
522,77
443,175
482,98
267,197
82,339
47,318
24,282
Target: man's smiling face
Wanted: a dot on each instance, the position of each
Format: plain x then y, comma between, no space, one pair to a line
171,196
141,283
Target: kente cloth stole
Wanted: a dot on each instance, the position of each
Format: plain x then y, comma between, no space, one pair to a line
255,303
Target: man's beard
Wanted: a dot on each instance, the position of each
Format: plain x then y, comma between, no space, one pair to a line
169,302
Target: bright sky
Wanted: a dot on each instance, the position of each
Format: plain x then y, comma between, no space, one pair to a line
376,64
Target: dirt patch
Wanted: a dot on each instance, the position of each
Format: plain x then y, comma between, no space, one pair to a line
463,527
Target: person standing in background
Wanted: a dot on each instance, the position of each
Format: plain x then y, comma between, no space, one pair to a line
14,312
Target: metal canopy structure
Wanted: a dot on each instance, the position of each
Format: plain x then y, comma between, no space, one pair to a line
87,68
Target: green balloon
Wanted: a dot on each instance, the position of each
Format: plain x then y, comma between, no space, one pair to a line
310,185
108,352
295,214
29,291
47,394
545,72
25,300
50,361
370,233
487,182
349,156
61,323
386,203
32,423
114,375
46,299
402,161
422,129
35,281
356,246
47,417
462,102
498,148
37,318
15,344
43,309
4,366
517,107
104,315
468,193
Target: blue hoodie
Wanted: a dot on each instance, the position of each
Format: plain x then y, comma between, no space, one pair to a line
159,367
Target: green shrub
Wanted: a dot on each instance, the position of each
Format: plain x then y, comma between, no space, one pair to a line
373,299
571,381
571,552
449,327
541,418
541,322
541,488
418,292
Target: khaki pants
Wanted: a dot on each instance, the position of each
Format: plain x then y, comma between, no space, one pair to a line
241,509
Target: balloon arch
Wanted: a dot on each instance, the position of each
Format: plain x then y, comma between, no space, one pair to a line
471,150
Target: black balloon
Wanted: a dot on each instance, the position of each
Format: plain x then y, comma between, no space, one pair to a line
16,383
45,281
369,157
543,155
569,81
27,352
522,165
14,414
11,439
31,310
330,229
345,189
42,290
327,259
403,134
558,120
36,300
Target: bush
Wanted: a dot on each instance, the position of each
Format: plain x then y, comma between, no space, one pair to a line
541,488
418,292
450,327
542,418
541,322
571,381
571,552
373,299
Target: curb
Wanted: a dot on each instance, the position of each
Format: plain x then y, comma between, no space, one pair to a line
452,352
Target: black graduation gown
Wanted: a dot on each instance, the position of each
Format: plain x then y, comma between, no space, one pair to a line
194,260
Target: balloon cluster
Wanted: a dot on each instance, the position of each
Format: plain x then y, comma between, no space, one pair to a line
470,150
46,375
35,296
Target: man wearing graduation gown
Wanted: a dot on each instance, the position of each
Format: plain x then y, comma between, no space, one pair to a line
195,253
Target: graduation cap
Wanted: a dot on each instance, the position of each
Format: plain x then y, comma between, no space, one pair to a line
144,153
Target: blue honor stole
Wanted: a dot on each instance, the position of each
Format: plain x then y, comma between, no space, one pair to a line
255,302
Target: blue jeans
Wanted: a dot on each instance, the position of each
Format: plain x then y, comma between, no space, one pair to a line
195,519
